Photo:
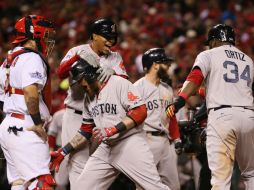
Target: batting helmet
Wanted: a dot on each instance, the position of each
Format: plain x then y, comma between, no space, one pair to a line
155,55
36,28
82,69
105,28
222,33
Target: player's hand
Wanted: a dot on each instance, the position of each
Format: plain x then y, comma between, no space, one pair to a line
173,108
104,73
40,131
56,159
90,58
101,134
178,146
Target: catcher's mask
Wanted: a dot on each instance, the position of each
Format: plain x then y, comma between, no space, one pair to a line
37,28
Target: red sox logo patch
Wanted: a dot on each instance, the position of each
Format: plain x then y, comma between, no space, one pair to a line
132,97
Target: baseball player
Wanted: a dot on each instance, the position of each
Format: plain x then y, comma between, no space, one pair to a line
54,141
114,112
103,37
157,96
22,136
228,73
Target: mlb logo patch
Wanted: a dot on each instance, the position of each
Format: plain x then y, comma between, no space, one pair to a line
36,75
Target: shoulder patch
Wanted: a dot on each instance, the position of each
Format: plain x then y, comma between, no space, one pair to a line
132,97
37,75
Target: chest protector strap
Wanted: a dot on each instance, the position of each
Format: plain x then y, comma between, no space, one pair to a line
11,60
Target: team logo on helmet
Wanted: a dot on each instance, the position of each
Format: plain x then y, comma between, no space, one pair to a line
113,28
223,36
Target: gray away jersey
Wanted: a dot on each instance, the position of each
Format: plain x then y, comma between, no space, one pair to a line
111,105
157,98
229,76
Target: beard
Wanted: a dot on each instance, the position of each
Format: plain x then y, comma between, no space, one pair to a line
93,90
162,73
77,92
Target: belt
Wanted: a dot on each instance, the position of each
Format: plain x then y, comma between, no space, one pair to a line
75,111
12,90
18,115
156,133
227,106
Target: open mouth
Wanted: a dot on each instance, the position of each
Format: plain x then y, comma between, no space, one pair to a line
108,46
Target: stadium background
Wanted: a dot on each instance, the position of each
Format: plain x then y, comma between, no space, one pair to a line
180,26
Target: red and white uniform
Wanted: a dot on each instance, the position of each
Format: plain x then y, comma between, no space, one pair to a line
157,98
72,118
24,161
130,153
229,73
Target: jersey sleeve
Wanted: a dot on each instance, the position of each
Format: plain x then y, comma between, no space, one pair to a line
129,95
69,55
203,62
141,88
34,72
119,67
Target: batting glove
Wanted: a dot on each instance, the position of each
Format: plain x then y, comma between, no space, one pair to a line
178,146
104,73
173,108
56,159
102,134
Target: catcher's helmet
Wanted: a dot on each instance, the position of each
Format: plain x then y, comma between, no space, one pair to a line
82,69
36,28
155,55
105,28
222,33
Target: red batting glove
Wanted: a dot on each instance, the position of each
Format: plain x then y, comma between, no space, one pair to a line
100,134
170,111
178,103
56,159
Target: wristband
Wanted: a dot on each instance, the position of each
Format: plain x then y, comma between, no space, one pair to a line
85,134
36,118
67,149
179,103
121,127
184,95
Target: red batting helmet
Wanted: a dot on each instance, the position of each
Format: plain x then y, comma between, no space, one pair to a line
37,28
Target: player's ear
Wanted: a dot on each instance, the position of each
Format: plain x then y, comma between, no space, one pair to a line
155,66
95,37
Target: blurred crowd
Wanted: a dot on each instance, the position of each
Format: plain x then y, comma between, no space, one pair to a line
180,26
